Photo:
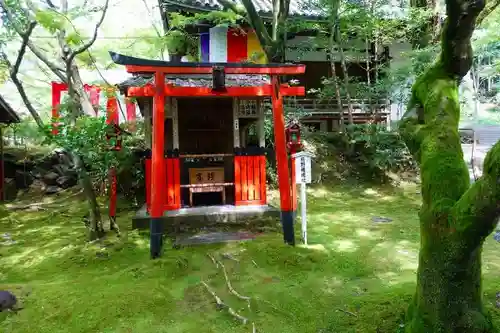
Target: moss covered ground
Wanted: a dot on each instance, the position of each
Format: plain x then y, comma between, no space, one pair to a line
355,276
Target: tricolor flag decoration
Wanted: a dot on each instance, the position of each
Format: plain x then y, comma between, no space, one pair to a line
223,44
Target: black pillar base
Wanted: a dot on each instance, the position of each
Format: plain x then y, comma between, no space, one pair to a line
287,222
156,237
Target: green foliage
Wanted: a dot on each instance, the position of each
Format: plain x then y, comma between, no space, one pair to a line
19,20
365,152
179,42
87,138
379,150
4,72
73,39
217,18
26,133
51,20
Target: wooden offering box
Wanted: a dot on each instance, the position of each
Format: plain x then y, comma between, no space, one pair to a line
202,180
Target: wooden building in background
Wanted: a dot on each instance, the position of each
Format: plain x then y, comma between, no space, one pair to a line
223,44
7,116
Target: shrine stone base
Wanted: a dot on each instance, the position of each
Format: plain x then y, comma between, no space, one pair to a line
225,217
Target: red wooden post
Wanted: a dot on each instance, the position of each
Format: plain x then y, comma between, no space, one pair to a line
131,117
57,89
112,119
157,166
282,162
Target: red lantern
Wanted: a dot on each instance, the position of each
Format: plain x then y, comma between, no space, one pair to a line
292,132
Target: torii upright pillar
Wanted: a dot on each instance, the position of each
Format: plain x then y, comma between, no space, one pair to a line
157,166
287,214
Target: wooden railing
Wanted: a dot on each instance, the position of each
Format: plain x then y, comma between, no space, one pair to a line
330,106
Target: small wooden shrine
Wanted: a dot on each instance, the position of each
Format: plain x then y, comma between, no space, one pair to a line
207,141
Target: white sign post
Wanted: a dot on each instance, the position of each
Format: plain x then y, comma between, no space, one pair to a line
303,176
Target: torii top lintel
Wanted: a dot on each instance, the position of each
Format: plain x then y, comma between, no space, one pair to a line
140,65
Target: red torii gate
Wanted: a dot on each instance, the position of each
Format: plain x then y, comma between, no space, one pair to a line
159,90
112,117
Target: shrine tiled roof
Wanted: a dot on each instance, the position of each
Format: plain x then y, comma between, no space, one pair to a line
298,8
7,114
199,80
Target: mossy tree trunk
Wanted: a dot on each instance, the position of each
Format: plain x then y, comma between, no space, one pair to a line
455,217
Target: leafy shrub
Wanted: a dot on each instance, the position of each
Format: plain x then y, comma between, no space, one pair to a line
88,139
374,150
366,152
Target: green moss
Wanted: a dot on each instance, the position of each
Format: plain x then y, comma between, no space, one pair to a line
351,264
444,174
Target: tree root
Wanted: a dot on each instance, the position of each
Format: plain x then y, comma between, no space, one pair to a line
222,305
348,312
213,260
230,287
247,299
114,226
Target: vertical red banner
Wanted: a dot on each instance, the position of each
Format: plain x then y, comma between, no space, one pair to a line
131,116
111,107
94,98
57,89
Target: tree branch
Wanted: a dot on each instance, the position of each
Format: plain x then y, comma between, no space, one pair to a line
20,55
87,45
411,130
456,54
431,134
491,5
14,69
53,67
475,215
50,4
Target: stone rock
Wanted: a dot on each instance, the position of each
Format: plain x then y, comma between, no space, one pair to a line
7,300
379,219
66,181
50,178
496,236
52,190
61,169
7,239
23,179
9,168
10,189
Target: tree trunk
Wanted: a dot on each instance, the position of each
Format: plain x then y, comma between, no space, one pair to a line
340,45
455,217
368,75
335,79
96,228
448,297
350,118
